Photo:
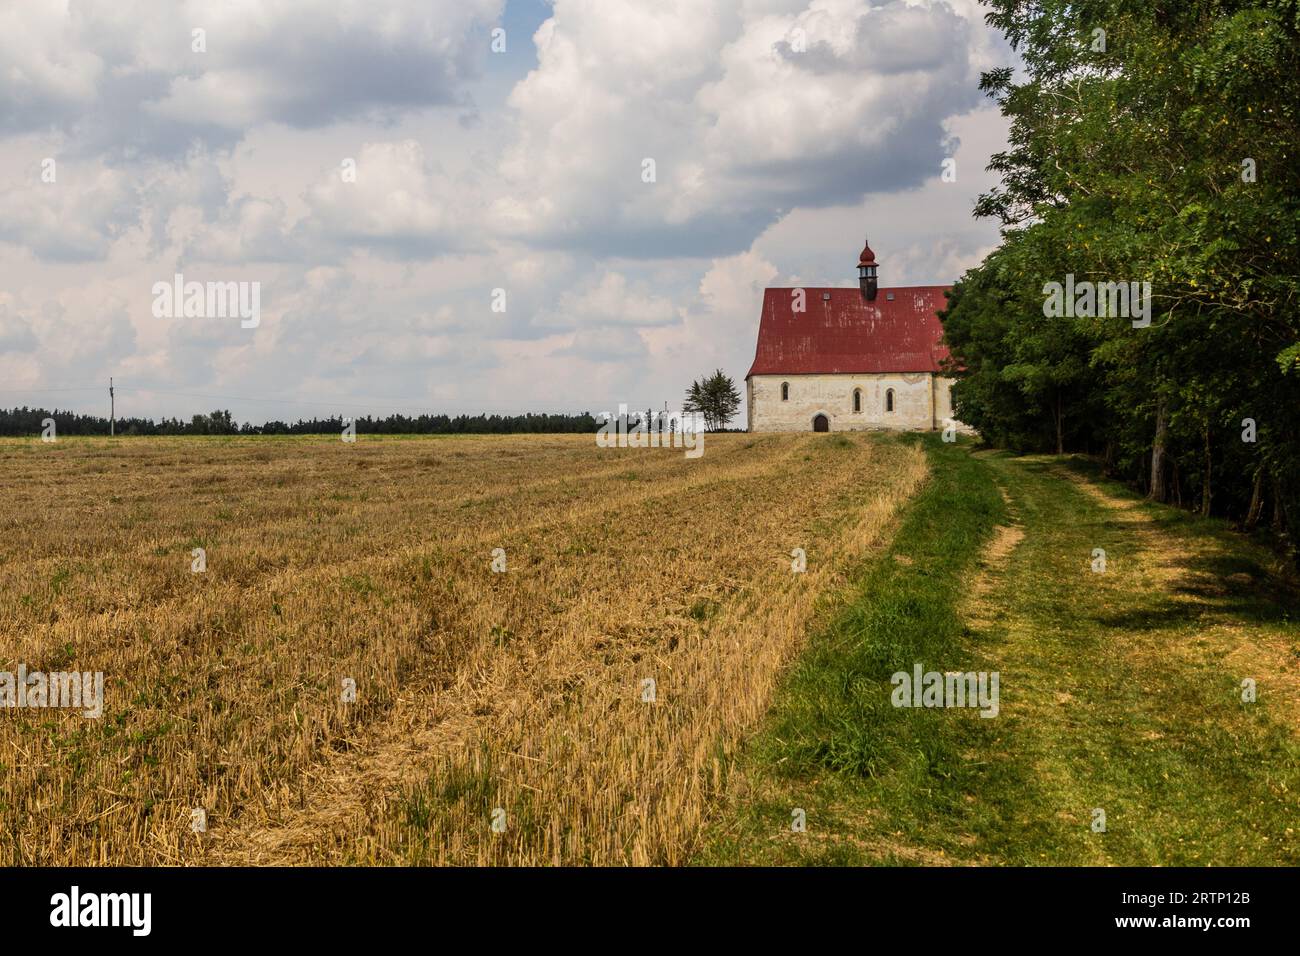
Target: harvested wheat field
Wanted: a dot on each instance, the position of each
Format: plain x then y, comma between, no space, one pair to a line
498,717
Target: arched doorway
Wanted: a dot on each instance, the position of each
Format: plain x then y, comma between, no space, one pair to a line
821,423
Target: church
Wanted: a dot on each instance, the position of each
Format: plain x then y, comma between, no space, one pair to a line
849,359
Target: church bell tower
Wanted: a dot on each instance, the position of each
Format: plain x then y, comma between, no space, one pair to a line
867,272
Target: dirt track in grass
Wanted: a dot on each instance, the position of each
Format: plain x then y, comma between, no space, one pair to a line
1121,693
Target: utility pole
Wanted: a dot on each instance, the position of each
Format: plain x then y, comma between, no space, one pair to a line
112,411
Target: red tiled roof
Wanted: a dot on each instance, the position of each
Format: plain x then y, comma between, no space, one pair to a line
846,333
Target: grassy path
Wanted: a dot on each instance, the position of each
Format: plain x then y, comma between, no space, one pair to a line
1120,691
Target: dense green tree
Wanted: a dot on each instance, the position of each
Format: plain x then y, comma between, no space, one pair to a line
715,397
1149,142
27,421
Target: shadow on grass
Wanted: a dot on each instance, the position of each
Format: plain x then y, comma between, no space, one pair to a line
1235,578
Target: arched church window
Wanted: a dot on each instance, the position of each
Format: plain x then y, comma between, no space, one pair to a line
889,399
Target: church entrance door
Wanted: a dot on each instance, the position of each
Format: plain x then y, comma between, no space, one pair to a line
821,424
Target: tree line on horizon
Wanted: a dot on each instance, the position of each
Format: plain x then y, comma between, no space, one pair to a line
1148,143
715,397
19,422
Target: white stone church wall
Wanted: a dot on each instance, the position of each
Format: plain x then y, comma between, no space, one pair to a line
832,396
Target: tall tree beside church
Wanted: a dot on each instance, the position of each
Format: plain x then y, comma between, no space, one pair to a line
715,397
1148,141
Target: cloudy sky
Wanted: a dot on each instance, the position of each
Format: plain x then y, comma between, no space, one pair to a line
133,148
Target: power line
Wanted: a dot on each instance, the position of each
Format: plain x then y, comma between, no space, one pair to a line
232,398
400,403
71,388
